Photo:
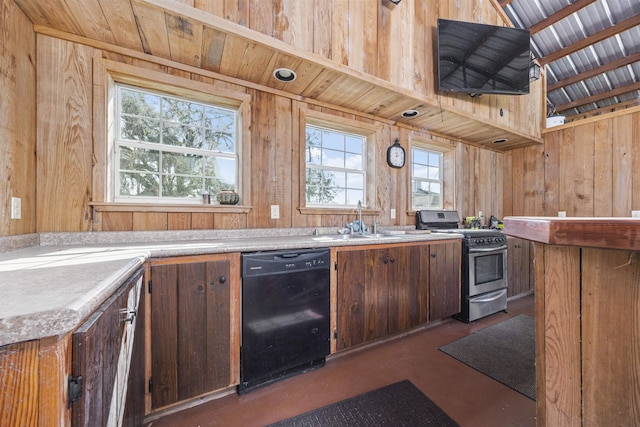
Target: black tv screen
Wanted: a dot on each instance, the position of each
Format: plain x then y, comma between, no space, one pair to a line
479,58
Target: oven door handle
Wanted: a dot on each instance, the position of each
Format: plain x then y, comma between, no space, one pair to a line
499,248
491,297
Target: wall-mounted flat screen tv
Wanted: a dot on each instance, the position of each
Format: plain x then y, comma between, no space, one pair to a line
479,58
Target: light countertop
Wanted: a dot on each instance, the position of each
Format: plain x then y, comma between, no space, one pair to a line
48,290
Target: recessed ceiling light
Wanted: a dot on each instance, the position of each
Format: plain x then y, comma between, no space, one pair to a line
410,113
284,74
499,140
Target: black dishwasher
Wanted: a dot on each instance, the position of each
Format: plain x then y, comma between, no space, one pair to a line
285,314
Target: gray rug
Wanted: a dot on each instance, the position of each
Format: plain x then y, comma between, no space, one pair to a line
399,404
506,352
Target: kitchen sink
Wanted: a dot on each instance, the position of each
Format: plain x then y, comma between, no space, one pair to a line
364,236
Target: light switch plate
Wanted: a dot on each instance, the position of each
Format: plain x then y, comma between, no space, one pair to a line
16,208
562,214
393,214
635,214
275,211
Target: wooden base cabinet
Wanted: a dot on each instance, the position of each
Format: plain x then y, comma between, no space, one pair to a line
444,280
194,327
106,351
385,289
520,276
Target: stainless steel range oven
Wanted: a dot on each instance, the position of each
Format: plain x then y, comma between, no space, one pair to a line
484,264
484,275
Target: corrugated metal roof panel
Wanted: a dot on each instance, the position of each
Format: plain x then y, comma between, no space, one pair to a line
596,17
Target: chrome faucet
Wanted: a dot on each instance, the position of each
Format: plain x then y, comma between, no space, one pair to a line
360,217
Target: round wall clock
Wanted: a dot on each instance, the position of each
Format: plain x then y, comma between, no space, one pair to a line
396,155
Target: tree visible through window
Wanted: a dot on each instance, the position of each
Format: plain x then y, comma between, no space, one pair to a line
171,148
426,181
335,171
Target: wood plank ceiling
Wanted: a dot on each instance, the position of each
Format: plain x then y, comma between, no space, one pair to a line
186,35
591,49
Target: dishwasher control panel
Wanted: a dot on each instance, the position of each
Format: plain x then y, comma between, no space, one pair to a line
258,263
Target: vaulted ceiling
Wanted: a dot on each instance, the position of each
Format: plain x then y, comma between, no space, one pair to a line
591,50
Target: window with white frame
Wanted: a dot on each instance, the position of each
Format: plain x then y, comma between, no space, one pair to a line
335,167
170,149
426,178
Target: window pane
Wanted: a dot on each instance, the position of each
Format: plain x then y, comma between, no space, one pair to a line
139,103
353,196
333,158
182,186
182,136
139,129
353,161
434,173
420,156
434,159
225,170
219,140
420,171
184,112
354,144
333,140
355,181
185,164
314,155
139,184
139,159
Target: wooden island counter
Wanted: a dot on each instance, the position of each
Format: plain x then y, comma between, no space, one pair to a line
587,286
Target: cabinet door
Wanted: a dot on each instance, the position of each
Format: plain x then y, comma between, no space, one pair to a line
376,295
444,280
518,266
351,298
381,292
408,285
190,330
102,350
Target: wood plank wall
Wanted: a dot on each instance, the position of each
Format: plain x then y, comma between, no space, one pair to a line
373,37
586,168
17,119
274,171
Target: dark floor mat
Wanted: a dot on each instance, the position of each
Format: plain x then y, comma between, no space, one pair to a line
504,352
399,404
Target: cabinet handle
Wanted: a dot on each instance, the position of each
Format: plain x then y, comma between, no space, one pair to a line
222,279
393,260
433,255
131,313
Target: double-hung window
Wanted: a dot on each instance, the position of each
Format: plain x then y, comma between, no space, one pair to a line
335,167
169,149
426,178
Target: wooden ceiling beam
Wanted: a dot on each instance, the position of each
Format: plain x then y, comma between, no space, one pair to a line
560,15
613,65
604,110
599,97
593,39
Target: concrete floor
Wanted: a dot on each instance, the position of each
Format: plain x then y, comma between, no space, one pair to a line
469,397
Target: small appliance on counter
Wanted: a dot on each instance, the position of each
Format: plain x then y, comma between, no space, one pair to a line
484,263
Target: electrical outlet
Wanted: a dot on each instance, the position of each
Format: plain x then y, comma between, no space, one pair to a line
393,214
16,208
562,214
635,214
275,211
